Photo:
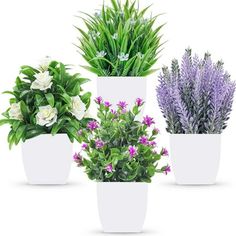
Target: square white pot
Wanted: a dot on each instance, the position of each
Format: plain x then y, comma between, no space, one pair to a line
195,158
115,89
47,159
122,206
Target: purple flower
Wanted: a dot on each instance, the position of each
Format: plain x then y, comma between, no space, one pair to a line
84,146
92,125
77,158
139,102
114,112
99,143
144,140
132,151
109,168
167,169
122,105
148,121
164,152
98,100
152,144
107,104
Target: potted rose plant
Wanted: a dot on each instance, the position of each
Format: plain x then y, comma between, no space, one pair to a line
121,154
46,111
196,101
121,45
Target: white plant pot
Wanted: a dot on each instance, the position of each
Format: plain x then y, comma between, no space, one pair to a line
115,89
47,159
122,206
195,158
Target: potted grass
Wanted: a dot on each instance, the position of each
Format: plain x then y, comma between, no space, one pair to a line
120,153
46,111
121,46
196,101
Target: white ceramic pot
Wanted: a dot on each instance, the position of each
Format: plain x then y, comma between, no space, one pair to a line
115,89
195,158
47,159
122,206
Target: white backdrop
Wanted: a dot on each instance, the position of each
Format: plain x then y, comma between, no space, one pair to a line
29,30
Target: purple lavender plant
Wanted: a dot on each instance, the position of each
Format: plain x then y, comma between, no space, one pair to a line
196,98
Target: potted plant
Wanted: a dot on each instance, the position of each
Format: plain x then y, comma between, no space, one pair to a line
121,155
121,45
196,101
47,109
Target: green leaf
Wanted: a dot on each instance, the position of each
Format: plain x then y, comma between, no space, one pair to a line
24,110
50,99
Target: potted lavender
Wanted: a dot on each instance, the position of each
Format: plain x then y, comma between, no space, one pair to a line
120,153
121,46
196,101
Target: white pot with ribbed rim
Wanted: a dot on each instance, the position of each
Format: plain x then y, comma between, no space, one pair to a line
122,206
114,89
47,159
195,158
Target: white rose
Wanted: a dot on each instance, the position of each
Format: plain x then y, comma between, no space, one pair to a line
44,63
78,108
46,116
15,112
43,81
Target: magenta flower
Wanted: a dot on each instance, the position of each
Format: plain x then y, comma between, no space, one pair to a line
107,104
98,100
77,158
109,168
132,151
139,102
164,152
114,112
122,105
144,140
92,125
167,169
147,120
99,143
152,144
84,146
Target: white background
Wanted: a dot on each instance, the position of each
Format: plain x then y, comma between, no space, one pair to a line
29,30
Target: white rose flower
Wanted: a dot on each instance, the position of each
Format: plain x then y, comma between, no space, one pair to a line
78,108
44,63
43,81
46,116
15,112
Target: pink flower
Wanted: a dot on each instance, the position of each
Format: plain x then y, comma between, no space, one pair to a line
122,105
107,104
92,125
80,132
99,143
77,158
148,121
144,140
114,112
167,169
152,144
164,152
84,146
109,168
98,100
139,102
132,151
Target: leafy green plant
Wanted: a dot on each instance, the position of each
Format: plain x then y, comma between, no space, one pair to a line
46,100
120,148
120,41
